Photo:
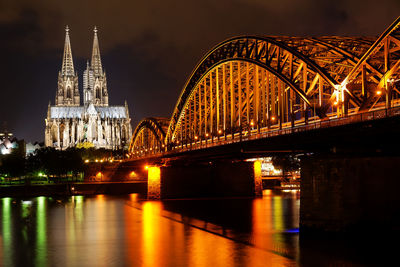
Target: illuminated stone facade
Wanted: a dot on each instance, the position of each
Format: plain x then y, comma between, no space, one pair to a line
68,123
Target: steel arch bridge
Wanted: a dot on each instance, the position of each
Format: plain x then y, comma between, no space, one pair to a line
254,84
149,136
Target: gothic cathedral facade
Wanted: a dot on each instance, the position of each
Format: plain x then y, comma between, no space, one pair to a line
68,123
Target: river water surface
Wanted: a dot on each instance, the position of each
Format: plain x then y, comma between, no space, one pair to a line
129,231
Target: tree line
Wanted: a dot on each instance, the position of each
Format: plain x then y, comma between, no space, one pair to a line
52,162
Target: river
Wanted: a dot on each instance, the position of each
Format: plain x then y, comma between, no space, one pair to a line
126,230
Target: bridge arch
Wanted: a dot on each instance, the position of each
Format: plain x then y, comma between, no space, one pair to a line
253,84
149,137
376,76
293,69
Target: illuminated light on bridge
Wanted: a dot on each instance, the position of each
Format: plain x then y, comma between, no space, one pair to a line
132,174
267,192
149,136
154,182
99,175
254,85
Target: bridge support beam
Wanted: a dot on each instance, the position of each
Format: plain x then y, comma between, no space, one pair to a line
211,179
349,195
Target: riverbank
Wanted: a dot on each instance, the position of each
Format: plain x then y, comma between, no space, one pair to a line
68,189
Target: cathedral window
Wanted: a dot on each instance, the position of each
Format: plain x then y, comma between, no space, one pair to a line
97,92
68,92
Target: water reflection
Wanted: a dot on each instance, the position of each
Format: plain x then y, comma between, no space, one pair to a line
41,229
6,233
151,238
128,231
105,230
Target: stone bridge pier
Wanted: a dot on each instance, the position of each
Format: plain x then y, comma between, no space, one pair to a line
206,179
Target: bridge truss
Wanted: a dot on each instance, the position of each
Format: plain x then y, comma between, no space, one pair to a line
255,84
149,136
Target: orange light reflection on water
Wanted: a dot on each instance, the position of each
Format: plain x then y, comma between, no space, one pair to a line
209,250
133,197
151,233
262,222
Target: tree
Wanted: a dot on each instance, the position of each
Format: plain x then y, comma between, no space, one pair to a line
13,164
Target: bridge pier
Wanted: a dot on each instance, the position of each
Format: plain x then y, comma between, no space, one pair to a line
349,194
207,179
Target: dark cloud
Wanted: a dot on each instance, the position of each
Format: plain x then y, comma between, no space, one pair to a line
148,47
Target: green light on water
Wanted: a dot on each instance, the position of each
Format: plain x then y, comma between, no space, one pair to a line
41,239
6,201
6,230
79,199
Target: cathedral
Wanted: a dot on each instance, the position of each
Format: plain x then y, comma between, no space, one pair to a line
69,123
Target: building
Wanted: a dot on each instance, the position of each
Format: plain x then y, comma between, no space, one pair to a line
30,148
10,144
7,142
69,123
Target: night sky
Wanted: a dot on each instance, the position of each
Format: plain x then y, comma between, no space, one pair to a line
148,48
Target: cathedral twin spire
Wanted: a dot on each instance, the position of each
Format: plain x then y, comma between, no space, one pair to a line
94,79
68,63
96,59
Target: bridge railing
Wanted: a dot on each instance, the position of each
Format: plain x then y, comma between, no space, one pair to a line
264,133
